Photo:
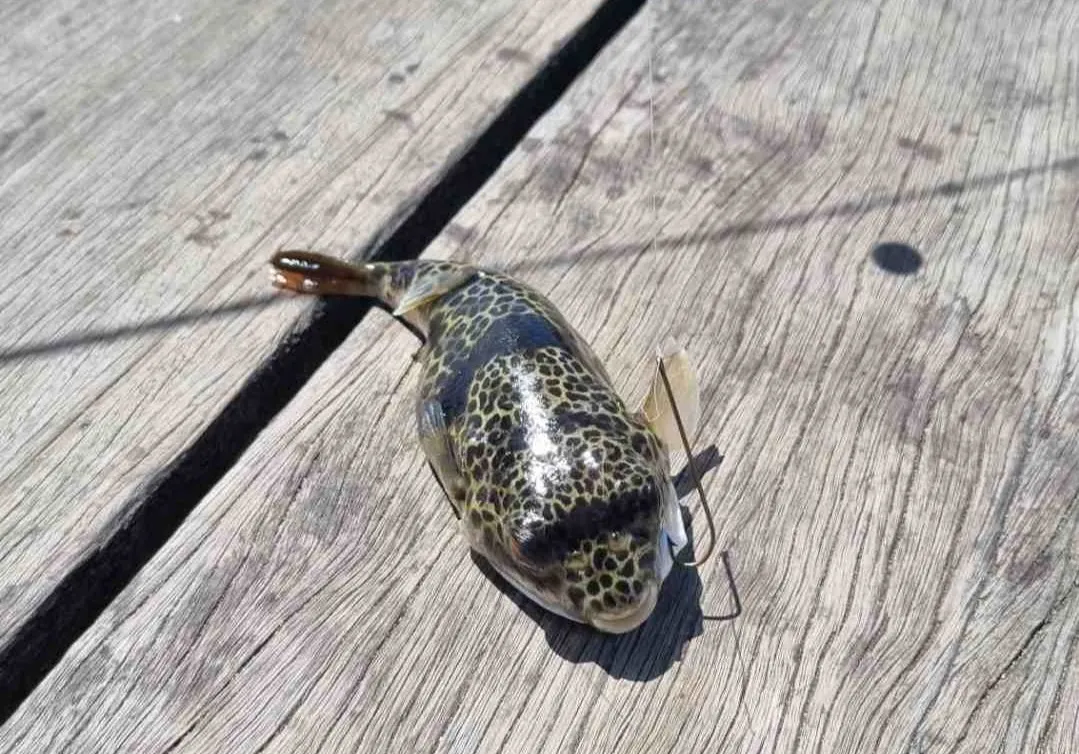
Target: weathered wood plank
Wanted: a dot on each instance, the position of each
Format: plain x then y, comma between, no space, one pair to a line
900,486
150,156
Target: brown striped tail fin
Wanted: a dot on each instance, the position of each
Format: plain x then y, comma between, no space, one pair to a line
308,272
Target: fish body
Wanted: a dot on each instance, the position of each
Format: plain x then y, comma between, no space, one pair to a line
555,482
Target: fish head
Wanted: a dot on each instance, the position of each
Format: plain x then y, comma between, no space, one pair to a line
597,559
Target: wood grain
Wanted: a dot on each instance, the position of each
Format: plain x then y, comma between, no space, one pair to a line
900,493
152,157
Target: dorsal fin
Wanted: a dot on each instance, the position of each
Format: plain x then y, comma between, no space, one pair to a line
431,284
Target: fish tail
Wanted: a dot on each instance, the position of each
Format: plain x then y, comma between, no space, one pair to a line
401,286
308,272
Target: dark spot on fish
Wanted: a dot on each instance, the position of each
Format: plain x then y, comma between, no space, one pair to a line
411,67
608,601
473,453
593,588
637,586
278,135
258,154
502,458
598,557
395,77
627,570
622,586
605,580
576,594
476,519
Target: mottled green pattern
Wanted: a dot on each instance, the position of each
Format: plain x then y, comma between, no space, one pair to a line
561,484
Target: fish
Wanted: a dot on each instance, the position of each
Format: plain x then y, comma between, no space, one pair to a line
553,480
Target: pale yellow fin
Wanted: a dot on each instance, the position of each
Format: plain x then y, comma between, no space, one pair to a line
430,285
657,409
436,445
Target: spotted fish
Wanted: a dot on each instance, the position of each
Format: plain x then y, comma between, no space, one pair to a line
560,487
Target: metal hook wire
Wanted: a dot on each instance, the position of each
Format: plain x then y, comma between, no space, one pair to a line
692,464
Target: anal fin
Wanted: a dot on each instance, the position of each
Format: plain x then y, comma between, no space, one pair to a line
436,445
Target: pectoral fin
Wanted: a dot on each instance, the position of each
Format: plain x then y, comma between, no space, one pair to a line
432,285
657,410
436,445
673,535
672,523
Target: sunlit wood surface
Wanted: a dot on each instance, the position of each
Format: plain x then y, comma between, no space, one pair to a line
151,157
867,239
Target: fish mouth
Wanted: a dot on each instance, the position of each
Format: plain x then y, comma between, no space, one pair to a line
623,621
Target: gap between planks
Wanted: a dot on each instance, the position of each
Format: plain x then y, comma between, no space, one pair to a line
161,506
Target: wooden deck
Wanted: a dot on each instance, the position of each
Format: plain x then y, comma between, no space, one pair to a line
149,163
867,238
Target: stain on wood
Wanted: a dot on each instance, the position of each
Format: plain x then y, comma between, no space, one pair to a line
926,151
